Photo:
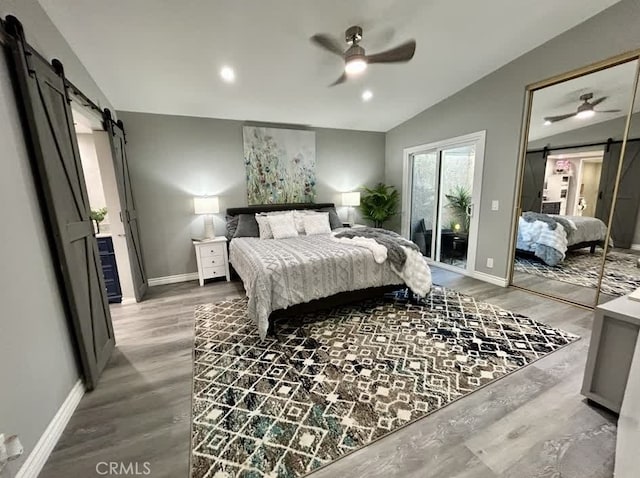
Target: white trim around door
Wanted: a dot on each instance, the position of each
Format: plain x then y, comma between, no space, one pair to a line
477,138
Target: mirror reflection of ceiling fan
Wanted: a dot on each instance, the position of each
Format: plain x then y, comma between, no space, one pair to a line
584,110
355,59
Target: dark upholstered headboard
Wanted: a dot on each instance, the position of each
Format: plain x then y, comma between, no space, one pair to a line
234,211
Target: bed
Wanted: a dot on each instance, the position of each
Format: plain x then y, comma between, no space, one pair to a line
280,273
550,236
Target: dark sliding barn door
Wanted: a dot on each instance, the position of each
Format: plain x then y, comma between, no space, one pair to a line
129,216
535,165
628,199
606,189
58,172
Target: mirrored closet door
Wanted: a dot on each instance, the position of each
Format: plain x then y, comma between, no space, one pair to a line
575,131
621,274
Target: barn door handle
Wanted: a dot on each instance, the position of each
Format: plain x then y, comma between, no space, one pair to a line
600,195
539,194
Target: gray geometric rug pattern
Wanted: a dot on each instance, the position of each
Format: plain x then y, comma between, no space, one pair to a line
334,381
621,274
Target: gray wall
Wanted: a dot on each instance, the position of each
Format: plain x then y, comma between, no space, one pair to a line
495,103
36,349
173,158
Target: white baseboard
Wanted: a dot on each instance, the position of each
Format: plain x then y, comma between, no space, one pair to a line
40,453
502,282
635,247
128,300
173,279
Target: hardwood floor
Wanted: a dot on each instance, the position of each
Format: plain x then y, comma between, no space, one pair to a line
533,423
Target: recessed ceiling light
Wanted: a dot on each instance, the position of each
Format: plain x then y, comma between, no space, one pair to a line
228,74
367,95
547,122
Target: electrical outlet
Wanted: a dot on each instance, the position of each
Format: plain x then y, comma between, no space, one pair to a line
495,205
490,262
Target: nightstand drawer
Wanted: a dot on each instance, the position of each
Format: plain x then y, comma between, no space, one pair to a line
211,251
212,261
209,272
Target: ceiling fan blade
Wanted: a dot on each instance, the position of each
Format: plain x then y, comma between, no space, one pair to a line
554,119
400,53
342,79
607,111
328,43
598,101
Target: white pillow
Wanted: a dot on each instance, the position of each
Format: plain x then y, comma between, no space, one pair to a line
317,224
282,226
263,226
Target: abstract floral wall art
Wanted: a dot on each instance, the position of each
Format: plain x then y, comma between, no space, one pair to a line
281,165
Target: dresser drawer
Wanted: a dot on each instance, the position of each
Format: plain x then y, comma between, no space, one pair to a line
213,250
212,261
209,272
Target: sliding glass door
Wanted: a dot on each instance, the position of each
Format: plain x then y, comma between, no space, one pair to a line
424,203
455,205
442,185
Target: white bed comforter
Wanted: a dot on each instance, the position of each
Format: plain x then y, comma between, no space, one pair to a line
532,235
279,273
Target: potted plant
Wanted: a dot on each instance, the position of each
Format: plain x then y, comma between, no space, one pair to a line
460,200
379,204
97,216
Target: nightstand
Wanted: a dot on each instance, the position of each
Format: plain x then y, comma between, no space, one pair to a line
212,258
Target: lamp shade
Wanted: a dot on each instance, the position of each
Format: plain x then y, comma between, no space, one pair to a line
351,199
206,205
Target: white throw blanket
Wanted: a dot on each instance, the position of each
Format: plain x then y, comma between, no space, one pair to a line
538,232
415,273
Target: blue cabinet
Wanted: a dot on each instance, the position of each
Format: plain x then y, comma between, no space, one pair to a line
110,269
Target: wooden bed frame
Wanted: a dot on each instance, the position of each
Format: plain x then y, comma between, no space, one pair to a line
330,302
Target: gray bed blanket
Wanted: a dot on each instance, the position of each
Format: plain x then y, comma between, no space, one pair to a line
391,240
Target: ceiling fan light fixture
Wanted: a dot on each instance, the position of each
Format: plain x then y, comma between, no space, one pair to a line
547,122
584,114
355,66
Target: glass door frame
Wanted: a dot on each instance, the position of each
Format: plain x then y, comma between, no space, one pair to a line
478,139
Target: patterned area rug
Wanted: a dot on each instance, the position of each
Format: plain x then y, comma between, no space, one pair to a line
621,275
335,381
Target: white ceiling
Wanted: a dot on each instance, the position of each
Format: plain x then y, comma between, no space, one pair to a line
164,56
615,83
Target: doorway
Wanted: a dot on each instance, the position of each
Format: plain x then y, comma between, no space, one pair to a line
104,200
441,189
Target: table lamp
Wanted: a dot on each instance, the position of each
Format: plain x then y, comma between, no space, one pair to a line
350,200
208,206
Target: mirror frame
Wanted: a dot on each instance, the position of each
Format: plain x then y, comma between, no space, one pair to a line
522,151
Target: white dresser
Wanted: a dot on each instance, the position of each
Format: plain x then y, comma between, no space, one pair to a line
212,258
613,342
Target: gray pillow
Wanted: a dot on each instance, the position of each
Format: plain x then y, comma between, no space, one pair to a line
232,225
247,226
334,220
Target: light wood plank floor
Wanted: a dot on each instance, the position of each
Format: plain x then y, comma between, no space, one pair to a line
533,423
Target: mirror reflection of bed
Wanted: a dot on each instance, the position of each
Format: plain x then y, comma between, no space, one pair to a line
568,190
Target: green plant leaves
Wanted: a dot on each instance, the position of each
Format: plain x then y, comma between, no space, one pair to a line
380,203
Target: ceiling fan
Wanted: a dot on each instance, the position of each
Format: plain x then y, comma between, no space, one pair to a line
355,59
584,110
